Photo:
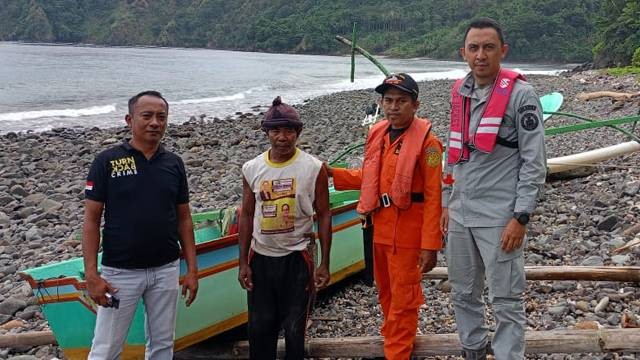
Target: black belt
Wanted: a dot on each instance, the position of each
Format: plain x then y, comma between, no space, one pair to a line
499,141
507,143
385,200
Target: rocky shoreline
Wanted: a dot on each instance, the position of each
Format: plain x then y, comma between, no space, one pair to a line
577,222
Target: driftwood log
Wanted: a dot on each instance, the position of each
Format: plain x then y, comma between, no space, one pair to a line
537,342
27,339
618,96
587,273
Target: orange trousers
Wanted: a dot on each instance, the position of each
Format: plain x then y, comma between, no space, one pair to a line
400,294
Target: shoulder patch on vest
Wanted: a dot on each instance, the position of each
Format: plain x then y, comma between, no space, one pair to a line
529,121
433,157
527,108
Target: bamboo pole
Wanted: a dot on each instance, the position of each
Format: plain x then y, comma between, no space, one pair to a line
27,339
537,342
364,53
353,52
587,273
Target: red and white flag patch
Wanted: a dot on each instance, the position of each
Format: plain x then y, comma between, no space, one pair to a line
89,185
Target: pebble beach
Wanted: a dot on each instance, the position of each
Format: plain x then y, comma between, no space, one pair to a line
578,220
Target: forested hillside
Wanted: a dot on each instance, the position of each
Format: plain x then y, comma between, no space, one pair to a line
542,30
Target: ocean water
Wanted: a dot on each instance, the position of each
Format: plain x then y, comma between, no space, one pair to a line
44,86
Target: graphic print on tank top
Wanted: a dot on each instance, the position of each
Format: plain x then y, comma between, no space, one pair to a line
278,206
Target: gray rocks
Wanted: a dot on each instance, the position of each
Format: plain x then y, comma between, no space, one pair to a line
109,141
620,259
4,219
12,305
50,206
564,285
613,319
5,199
18,190
25,212
23,357
558,310
582,306
602,305
32,234
33,199
631,188
559,232
592,261
608,223
28,313
7,270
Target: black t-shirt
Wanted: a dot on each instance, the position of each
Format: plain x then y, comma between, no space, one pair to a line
140,199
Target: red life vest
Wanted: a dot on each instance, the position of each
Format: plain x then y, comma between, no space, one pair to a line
410,153
486,134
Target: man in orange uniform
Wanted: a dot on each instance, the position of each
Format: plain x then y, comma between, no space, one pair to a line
400,184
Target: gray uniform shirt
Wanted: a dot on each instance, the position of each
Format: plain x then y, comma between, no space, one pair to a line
489,188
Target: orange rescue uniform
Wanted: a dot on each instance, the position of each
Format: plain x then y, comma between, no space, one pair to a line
399,236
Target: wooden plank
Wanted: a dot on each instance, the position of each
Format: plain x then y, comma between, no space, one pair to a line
587,273
537,342
27,339
619,96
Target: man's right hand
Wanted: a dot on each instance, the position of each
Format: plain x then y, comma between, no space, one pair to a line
244,277
98,287
444,221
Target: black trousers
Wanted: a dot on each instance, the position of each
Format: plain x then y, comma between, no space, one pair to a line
279,300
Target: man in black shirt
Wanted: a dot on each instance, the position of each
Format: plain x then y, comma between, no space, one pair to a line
143,191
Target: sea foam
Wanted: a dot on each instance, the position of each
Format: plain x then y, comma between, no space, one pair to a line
26,115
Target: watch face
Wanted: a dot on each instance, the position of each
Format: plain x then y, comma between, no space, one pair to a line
523,219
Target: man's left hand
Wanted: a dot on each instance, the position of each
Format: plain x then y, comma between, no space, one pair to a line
512,235
190,286
322,277
428,260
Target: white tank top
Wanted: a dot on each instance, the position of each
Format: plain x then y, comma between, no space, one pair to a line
284,194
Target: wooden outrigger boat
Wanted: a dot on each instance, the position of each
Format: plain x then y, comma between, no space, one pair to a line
221,303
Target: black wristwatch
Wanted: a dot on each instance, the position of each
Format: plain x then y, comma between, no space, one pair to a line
522,217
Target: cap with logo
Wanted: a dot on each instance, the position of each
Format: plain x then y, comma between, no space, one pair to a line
401,81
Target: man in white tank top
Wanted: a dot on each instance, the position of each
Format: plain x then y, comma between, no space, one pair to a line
282,188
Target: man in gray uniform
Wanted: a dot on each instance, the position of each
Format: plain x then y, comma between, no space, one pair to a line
495,171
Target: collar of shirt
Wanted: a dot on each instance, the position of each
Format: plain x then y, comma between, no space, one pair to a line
394,134
125,144
470,90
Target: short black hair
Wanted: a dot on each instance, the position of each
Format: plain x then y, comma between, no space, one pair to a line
483,23
134,99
